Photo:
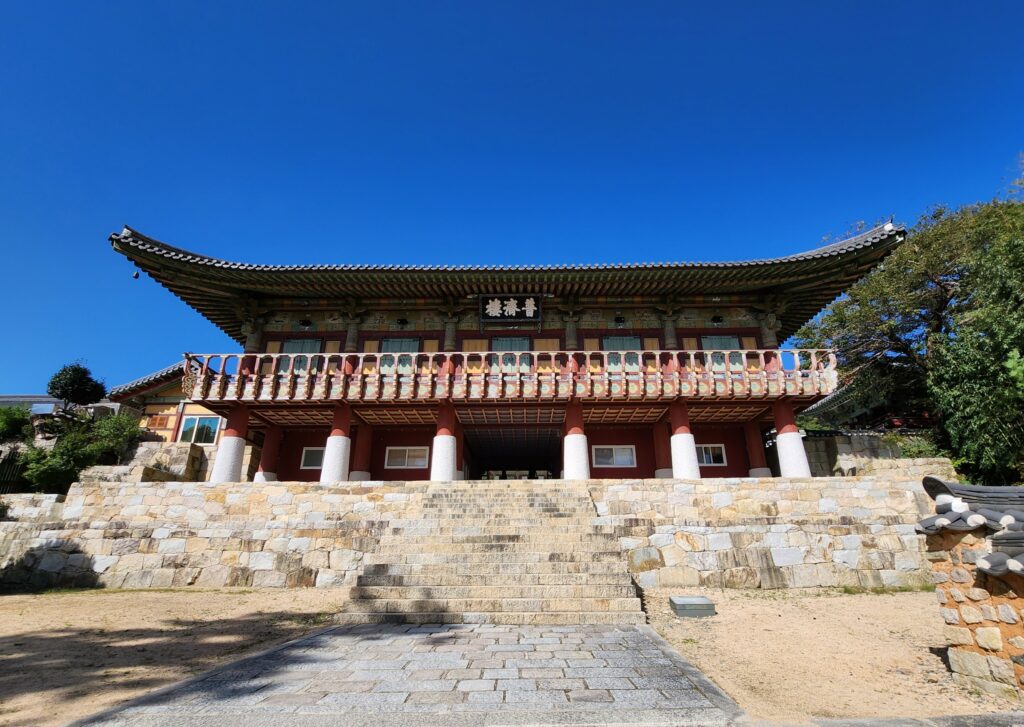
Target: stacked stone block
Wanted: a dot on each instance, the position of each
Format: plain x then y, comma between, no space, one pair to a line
791,533
983,614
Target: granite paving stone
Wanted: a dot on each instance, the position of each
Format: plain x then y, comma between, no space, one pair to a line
446,676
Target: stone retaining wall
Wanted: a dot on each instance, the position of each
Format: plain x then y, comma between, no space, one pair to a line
772,533
983,614
768,533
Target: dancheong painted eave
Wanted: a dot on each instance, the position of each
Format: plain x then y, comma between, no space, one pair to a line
222,291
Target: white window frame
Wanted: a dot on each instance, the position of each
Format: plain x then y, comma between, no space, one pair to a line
387,457
725,457
197,417
302,459
613,447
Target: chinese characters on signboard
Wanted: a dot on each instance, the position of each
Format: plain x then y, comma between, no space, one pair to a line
509,309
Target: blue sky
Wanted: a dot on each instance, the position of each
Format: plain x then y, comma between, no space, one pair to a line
469,132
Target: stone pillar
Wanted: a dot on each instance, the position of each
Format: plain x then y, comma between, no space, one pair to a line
684,446
572,342
443,453
788,442
662,451
671,342
267,471
352,335
338,447
755,450
362,451
227,465
575,452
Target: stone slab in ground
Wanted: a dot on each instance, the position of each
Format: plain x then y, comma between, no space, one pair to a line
435,675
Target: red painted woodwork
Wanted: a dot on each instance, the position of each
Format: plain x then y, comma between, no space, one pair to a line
404,437
785,419
292,443
755,445
662,446
237,424
342,423
445,419
735,449
573,417
270,453
362,449
679,417
641,440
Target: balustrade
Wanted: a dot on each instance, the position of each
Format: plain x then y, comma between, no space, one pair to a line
507,376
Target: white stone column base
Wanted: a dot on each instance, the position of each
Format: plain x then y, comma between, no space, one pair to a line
358,476
227,464
336,454
663,474
575,457
265,477
761,472
684,457
442,459
792,455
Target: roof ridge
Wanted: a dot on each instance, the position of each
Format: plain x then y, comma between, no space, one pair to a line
138,240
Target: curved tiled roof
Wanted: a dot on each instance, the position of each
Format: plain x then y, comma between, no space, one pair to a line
169,373
215,287
1000,510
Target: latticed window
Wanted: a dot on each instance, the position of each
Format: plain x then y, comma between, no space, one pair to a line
415,458
297,345
614,456
711,455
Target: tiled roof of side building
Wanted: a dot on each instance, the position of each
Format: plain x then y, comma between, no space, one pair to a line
168,373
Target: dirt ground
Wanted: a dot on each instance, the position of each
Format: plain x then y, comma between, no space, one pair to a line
64,655
783,655
794,655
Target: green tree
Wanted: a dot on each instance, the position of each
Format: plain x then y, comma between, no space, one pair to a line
75,386
81,442
934,330
14,424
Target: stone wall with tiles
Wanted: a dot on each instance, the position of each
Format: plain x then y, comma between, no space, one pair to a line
770,533
983,614
744,533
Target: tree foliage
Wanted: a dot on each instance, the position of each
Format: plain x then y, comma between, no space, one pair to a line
14,424
81,443
935,330
74,385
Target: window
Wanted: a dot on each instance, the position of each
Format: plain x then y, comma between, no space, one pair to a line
617,456
510,343
297,345
711,455
158,421
312,458
621,343
400,345
199,430
412,458
719,343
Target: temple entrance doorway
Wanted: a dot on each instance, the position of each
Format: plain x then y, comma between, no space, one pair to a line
513,453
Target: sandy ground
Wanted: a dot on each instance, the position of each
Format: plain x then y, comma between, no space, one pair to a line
793,655
783,655
64,655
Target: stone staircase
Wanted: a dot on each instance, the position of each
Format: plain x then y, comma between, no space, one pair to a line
508,552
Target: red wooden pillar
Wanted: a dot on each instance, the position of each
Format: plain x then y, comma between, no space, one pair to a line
685,465
788,442
227,463
755,450
269,454
338,446
662,451
575,452
362,452
443,455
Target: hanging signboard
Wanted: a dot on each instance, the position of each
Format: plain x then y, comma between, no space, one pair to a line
509,309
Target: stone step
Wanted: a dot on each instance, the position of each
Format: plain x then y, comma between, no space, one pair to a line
511,556
515,618
497,579
482,569
490,591
456,547
490,605
523,536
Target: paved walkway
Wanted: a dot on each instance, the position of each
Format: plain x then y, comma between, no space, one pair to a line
446,675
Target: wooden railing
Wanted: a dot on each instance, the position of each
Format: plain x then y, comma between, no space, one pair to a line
500,376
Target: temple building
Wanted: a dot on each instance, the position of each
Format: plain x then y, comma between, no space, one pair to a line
395,372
